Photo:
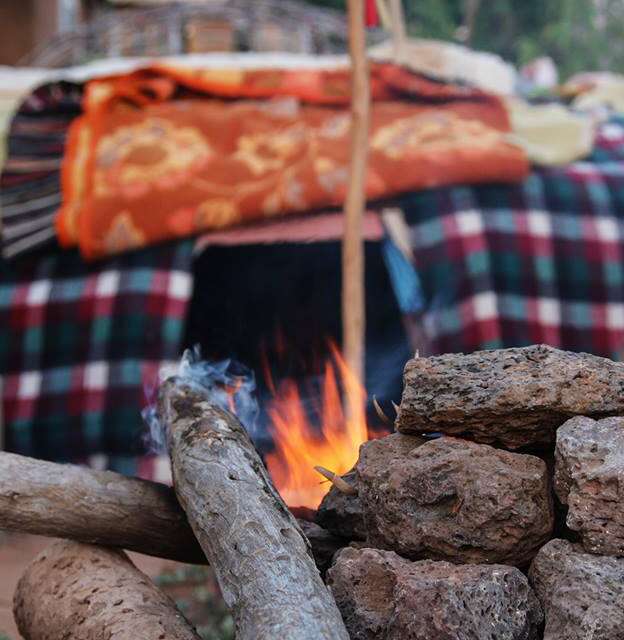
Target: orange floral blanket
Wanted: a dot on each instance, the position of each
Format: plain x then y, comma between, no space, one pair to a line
167,152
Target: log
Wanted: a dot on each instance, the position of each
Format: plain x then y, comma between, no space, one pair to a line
103,507
259,553
100,507
85,592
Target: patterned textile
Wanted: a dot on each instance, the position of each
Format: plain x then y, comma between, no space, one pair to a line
542,261
78,343
150,160
30,191
15,85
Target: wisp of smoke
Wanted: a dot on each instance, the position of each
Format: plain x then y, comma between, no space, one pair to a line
226,383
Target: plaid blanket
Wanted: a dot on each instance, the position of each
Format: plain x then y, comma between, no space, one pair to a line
77,345
540,261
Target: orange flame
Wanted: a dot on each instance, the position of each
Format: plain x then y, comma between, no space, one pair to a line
299,447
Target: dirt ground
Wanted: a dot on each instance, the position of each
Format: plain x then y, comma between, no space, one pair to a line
193,588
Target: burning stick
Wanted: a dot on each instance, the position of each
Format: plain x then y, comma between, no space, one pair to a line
102,507
337,481
353,307
258,551
380,412
85,592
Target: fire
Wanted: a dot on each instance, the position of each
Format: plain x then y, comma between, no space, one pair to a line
299,447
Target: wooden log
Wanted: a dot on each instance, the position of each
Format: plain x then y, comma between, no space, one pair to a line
260,556
353,300
99,507
103,507
85,592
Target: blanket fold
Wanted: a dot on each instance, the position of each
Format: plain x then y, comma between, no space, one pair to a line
166,152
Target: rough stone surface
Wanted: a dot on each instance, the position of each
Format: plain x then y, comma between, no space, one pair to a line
513,396
588,470
449,499
384,597
582,594
341,514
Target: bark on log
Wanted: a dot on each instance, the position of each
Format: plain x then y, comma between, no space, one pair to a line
102,507
85,592
99,507
259,553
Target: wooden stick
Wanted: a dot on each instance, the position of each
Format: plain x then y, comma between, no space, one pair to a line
384,14
337,481
259,554
353,299
379,411
102,507
399,37
84,592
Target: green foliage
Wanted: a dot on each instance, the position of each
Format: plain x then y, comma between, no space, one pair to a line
580,35
430,19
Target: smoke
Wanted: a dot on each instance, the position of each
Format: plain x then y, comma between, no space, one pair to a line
226,383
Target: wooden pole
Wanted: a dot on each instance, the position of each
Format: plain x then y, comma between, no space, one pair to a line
398,30
259,553
84,592
353,299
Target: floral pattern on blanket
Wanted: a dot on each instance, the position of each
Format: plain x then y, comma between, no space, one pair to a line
163,152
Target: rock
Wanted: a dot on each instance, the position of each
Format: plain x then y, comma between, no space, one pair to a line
512,396
589,464
450,499
582,594
342,514
324,544
384,597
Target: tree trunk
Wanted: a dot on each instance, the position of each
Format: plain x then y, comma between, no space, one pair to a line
258,551
84,592
99,507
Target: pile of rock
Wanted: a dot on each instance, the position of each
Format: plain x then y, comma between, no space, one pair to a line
453,538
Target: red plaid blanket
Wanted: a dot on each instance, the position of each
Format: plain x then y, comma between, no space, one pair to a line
541,261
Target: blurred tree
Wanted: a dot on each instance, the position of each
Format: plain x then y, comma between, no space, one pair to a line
578,34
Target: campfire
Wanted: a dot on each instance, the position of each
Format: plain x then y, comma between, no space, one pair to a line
515,511
302,450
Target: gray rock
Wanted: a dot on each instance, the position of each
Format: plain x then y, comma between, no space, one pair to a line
342,514
384,597
589,478
582,594
450,499
515,397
